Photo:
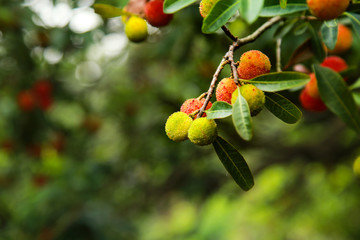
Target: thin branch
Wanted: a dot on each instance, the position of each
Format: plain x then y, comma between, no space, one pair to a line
223,62
230,56
252,37
228,33
278,55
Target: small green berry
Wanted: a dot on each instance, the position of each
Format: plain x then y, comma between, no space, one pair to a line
254,97
202,131
177,126
136,29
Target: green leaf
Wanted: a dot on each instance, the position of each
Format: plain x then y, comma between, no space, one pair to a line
250,9
108,11
337,96
350,72
316,44
282,108
242,118
219,110
171,6
277,10
329,32
355,20
219,15
355,85
283,3
284,29
278,81
356,96
234,163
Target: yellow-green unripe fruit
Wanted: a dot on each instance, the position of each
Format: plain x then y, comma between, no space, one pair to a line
356,166
136,29
202,131
254,97
205,7
177,126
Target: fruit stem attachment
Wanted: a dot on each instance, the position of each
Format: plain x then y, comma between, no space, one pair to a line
193,114
202,96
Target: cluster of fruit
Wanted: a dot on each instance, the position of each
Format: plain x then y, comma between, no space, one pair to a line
202,131
40,95
136,28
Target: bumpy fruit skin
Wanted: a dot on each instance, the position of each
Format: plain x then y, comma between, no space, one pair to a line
254,97
155,15
252,64
26,100
177,126
193,104
310,103
225,89
327,9
356,166
136,29
344,40
205,7
202,131
333,62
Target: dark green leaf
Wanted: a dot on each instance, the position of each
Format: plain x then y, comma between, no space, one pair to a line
337,96
108,11
171,6
283,3
242,118
219,110
282,108
250,9
316,44
329,32
356,96
278,81
355,20
234,163
219,15
277,10
350,72
285,28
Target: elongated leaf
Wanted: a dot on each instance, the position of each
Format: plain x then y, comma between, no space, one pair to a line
282,108
277,10
283,3
355,20
171,6
219,110
284,29
337,96
278,81
234,163
356,96
242,118
250,9
219,15
329,32
355,85
316,44
108,11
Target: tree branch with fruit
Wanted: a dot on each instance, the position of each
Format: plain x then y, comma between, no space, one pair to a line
252,86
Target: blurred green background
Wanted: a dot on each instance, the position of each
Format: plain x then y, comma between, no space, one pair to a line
97,164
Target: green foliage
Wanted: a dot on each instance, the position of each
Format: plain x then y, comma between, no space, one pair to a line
316,44
355,20
336,95
234,163
329,33
108,11
274,8
250,9
279,81
242,118
282,108
172,6
219,15
219,110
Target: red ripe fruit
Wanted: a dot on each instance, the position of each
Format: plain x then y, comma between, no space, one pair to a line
252,64
193,104
43,92
335,63
310,103
26,100
225,89
155,15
